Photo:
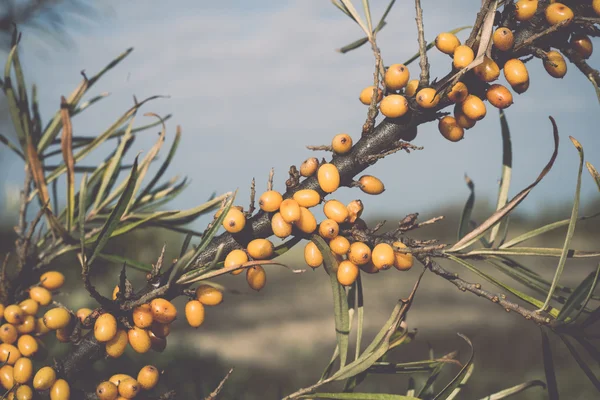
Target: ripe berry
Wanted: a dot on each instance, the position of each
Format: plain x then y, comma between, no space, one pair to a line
461,119
27,345
329,178
52,280
29,306
312,255
382,256
260,249
83,313
105,327
129,388
8,334
40,327
355,209
107,391
270,201
394,106
28,325
41,295
450,129
339,245
116,379
411,87
396,76
289,210
499,96
367,95
427,98
474,108
525,9
596,6
57,318
13,314
558,12
582,45
515,72
9,354
7,379
117,345
209,295
521,87
371,185
194,313
23,392
256,277
559,69
328,229
463,56
347,273
148,377
44,378
488,70
280,229
503,39
336,211
309,166
163,311
403,261
23,370
342,143
307,222
235,221
142,316
139,340
447,42
236,258
60,390
458,93
359,253
307,198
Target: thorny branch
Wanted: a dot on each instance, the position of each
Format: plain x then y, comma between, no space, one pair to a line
423,63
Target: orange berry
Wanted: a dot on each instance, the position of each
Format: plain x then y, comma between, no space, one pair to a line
52,280
461,119
515,72
366,95
23,392
105,327
411,87
328,229
458,93
463,56
60,390
427,98
558,12
41,295
148,377
474,108
312,255
23,370
40,327
525,9
328,177
139,339
596,6
383,256
403,261
236,258
129,388
503,39
280,229
8,334
256,277
339,245
44,378
27,345
347,273
83,313
359,253
582,45
355,209
309,166
307,198
396,76
116,379
394,106
194,313
235,221
499,96
488,70
521,87
7,379
209,295
289,210
29,306
342,143
447,42
13,314
336,211
270,201
9,354
107,391
450,129
371,185
260,249
307,222
116,346
163,311
57,318
142,316
28,324
559,69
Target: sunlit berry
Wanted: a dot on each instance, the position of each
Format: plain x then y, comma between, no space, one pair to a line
52,280
339,245
40,327
450,129
328,229
396,76
366,95
289,210
270,201
260,249
307,222
370,184
473,107
382,256
328,177
116,379
139,339
557,13
307,198
447,42
44,378
515,72
336,211
41,295
582,45
403,261
116,346
57,318
463,56
309,167
355,209
27,345
107,391
236,258
23,370
105,327
7,378
427,98
458,93
312,255
411,87
596,6
9,354
359,253
488,70
209,295
60,390
29,306
556,65
342,143
347,273
194,313
142,316
394,106
148,377
503,39
129,388
163,310
499,96
525,9
24,392
256,277
8,333
83,313
235,221
28,325
13,314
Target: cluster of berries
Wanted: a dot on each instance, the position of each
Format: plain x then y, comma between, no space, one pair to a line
123,386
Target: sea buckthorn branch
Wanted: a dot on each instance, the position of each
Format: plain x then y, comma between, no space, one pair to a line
423,62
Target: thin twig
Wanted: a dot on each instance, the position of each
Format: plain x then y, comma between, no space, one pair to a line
423,62
401,145
252,205
216,392
528,41
323,147
270,181
377,75
478,23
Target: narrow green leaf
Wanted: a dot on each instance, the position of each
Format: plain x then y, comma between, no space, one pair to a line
340,301
596,88
185,245
4,140
465,218
367,10
354,45
357,396
127,225
352,10
594,173
534,251
581,362
36,121
186,216
580,297
552,386
431,44
67,153
408,367
570,230
13,101
454,386
24,113
130,262
506,171
80,108
81,218
428,385
503,394
360,311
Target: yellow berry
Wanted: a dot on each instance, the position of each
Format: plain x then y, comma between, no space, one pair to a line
515,72
499,96
116,379
582,45
83,313
52,280
312,255
260,249
41,295
256,277
461,119
163,311
9,353
194,313
342,143
235,221
394,106
280,227
307,198
328,177
463,56
339,245
328,229
13,314
307,222
235,258
383,256
366,95
24,392
57,318
309,166
411,87
347,273
355,209
371,185
458,93
7,378
558,12
105,327
450,129
27,345
117,345
148,377
447,42
488,70
403,261
28,325
44,378
139,339
270,201
596,6
142,316
29,306
107,391
8,334
129,388
559,69
396,76
336,211
209,295
521,87
474,108
40,327
503,39
60,390
427,98
359,253
289,210
23,370
525,9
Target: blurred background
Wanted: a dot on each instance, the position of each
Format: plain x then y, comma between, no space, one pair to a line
252,83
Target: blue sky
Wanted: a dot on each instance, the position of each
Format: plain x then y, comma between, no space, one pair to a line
252,83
